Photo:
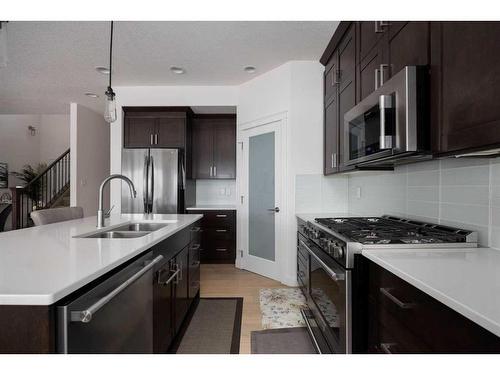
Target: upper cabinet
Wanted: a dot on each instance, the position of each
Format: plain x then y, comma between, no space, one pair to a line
154,127
466,85
214,147
386,47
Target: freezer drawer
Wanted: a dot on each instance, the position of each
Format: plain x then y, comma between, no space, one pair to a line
116,316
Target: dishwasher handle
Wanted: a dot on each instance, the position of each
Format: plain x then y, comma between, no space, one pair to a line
85,316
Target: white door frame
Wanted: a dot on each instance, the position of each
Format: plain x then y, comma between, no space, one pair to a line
244,260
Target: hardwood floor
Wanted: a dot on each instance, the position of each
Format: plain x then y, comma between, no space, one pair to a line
225,280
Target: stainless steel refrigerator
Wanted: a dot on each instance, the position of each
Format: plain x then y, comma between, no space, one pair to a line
159,179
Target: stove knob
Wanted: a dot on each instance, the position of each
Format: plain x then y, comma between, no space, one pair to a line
330,247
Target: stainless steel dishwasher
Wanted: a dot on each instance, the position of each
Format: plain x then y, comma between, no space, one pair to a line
116,316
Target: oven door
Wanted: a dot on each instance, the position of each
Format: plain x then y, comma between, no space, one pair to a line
329,298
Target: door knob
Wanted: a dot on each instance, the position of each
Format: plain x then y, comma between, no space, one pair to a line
275,209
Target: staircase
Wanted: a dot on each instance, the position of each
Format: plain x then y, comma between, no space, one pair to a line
49,189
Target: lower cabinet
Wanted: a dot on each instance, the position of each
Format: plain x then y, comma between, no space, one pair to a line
172,292
218,236
403,319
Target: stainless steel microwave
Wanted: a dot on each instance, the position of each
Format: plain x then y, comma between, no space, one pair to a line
390,124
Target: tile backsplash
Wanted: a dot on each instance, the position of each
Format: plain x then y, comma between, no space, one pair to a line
216,192
463,193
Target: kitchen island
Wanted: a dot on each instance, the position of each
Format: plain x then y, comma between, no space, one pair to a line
44,267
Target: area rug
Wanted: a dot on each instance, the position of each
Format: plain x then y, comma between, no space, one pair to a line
280,308
215,327
282,341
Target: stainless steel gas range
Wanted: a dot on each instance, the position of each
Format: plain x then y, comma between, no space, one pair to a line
326,258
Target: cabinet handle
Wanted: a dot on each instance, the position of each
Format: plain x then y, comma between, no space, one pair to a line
377,75
169,280
380,25
220,215
334,160
386,347
195,247
86,315
382,67
151,139
221,230
221,250
335,77
404,305
156,139
211,173
196,264
195,229
215,171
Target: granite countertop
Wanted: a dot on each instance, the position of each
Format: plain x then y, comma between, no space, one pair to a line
41,265
464,279
212,207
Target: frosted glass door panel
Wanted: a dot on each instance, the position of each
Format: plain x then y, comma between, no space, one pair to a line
261,191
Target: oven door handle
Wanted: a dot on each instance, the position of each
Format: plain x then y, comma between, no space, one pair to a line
332,274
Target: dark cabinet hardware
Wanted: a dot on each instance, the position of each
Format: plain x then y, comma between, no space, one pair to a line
380,26
404,305
221,230
221,215
223,250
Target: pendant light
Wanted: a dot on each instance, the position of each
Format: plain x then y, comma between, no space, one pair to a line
110,111
3,44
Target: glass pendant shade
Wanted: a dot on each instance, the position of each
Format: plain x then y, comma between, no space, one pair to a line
110,111
3,44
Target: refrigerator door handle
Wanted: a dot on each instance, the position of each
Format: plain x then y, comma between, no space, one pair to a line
145,183
151,195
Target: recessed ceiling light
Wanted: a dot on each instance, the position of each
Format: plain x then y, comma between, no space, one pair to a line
102,69
177,70
250,69
91,94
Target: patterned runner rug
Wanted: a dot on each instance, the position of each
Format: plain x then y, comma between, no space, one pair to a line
280,307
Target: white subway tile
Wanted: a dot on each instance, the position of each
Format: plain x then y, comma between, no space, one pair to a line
424,178
423,193
479,175
423,209
465,194
473,214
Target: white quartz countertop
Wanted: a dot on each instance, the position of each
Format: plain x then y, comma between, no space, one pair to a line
41,265
466,280
212,207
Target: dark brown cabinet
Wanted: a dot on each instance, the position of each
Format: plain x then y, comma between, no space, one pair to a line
152,127
331,134
403,319
466,84
194,262
218,236
214,147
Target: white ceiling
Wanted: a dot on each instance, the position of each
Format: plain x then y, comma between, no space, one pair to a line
52,63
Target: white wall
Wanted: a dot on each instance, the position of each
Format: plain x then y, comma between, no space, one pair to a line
90,150
54,138
294,90
160,96
18,147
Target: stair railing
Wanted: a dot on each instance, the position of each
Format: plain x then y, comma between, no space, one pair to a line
41,192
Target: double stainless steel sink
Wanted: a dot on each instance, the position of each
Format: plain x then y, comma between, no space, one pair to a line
130,230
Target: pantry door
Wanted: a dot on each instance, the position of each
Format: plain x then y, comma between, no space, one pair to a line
262,195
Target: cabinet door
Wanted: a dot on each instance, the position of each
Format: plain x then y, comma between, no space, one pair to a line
163,308
331,134
368,69
182,287
347,100
347,59
469,72
331,79
408,44
194,263
370,32
138,131
203,149
170,132
225,149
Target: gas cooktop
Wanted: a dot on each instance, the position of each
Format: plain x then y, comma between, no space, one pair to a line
393,230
